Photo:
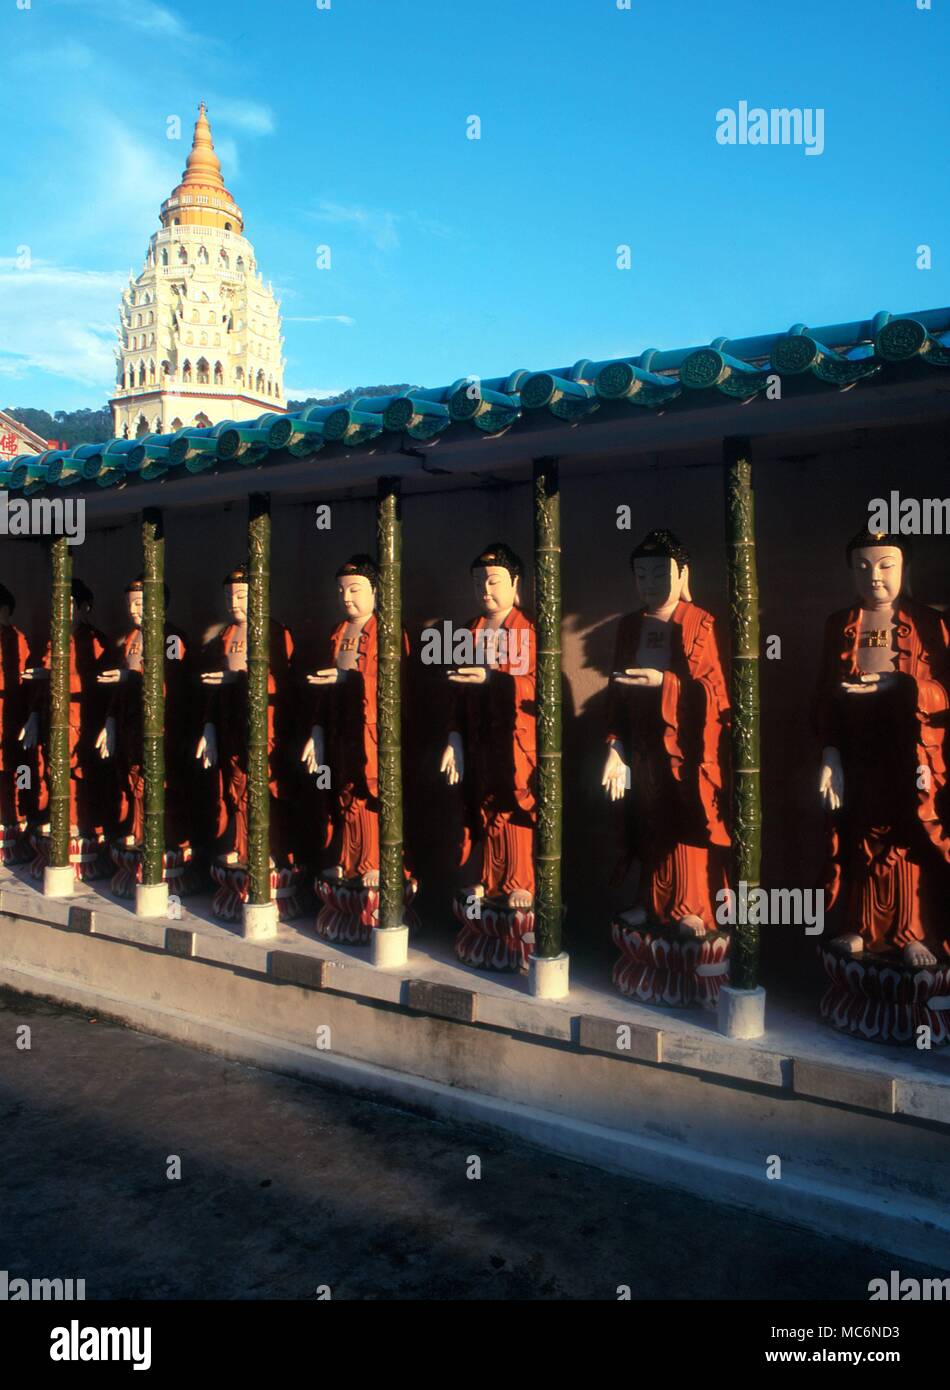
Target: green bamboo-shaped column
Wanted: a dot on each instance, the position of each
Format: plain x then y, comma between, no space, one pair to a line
153,694
60,628
258,661
744,630
389,701
547,580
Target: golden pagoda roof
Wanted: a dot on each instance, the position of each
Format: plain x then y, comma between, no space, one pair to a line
201,199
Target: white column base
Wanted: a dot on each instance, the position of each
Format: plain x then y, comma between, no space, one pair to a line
549,976
151,900
59,881
390,946
742,1012
259,921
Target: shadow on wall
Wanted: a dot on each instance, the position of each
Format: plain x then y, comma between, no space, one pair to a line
807,508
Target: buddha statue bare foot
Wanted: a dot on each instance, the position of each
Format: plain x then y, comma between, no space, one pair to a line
917,956
520,898
690,928
334,874
849,943
371,878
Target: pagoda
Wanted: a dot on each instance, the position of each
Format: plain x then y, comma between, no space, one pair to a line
199,332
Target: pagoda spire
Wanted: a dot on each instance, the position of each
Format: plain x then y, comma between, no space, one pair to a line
201,197
203,166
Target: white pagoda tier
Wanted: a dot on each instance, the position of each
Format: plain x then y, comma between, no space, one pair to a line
199,335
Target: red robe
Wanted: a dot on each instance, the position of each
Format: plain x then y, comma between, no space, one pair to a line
347,712
888,846
674,742
14,657
125,707
92,800
226,708
497,722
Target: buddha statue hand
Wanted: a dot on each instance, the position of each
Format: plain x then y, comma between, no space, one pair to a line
453,760
330,675
105,743
616,778
29,734
469,675
831,780
111,677
207,750
639,675
869,683
313,750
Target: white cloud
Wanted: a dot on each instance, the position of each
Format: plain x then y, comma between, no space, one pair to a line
145,15
250,116
227,152
322,318
378,226
301,393
67,56
145,171
61,321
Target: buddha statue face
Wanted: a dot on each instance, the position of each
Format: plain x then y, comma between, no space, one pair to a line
357,596
659,580
495,589
878,574
237,602
135,603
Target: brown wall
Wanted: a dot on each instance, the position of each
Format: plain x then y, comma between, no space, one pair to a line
807,507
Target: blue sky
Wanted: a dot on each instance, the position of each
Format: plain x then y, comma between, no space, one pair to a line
347,126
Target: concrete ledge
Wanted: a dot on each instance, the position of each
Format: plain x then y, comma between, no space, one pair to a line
180,942
137,931
292,969
921,1081
844,1086
24,902
353,977
81,919
442,1001
630,1040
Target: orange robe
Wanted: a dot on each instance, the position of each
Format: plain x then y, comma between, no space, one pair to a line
92,800
14,657
674,743
497,722
126,708
226,706
348,715
888,846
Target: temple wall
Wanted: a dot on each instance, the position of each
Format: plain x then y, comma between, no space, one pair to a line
807,507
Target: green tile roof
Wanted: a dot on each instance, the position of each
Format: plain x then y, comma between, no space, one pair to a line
830,358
